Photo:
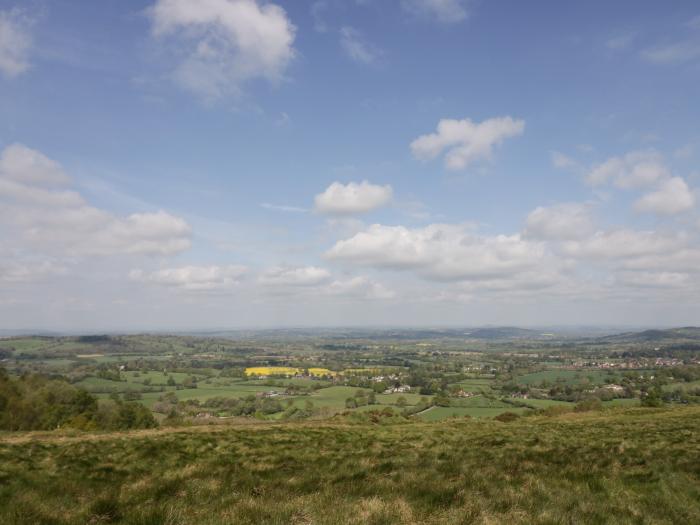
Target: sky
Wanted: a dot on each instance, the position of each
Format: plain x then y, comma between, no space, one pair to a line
201,164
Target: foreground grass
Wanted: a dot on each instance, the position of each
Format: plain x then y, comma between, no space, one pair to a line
621,466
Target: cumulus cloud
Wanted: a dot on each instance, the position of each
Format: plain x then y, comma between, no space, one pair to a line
294,276
465,141
193,278
624,242
560,222
442,252
351,198
228,42
15,42
357,48
22,164
40,212
312,282
673,196
445,11
359,287
633,170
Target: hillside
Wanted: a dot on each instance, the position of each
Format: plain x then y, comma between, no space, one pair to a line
669,335
629,466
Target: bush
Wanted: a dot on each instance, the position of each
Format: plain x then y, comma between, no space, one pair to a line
507,417
592,403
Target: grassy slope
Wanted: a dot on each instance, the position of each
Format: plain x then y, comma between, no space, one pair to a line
622,466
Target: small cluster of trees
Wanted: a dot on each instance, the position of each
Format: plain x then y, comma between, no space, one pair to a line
36,402
361,398
172,407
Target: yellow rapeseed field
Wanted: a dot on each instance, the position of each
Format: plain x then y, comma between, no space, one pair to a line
286,370
271,370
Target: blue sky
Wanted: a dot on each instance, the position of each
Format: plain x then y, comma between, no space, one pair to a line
223,163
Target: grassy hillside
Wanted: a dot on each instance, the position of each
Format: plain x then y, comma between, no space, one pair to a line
621,466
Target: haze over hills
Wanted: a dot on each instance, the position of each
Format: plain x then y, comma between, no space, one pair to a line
485,333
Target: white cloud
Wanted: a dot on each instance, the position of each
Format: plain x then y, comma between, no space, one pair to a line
673,196
623,243
351,198
443,252
230,42
15,42
466,141
653,279
561,161
633,170
357,47
359,287
23,272
676,53
683,257
193,278
560,222
445,11
36,215
294,276
22,164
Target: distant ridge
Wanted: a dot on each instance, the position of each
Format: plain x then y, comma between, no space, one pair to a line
686,333
504,332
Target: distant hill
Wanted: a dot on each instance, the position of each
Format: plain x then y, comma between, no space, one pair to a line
687,333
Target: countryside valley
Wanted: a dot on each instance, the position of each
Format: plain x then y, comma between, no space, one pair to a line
244,421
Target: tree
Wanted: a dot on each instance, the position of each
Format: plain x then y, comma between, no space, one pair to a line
653,398
441,399
401,402
350,403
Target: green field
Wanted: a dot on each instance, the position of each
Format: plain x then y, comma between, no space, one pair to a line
439,413
202,393
625,466
567,377
541,403
475,385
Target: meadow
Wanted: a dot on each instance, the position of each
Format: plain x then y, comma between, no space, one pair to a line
628,466
567,377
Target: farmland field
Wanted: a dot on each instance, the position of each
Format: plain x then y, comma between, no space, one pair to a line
286,371
436,413
569,377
